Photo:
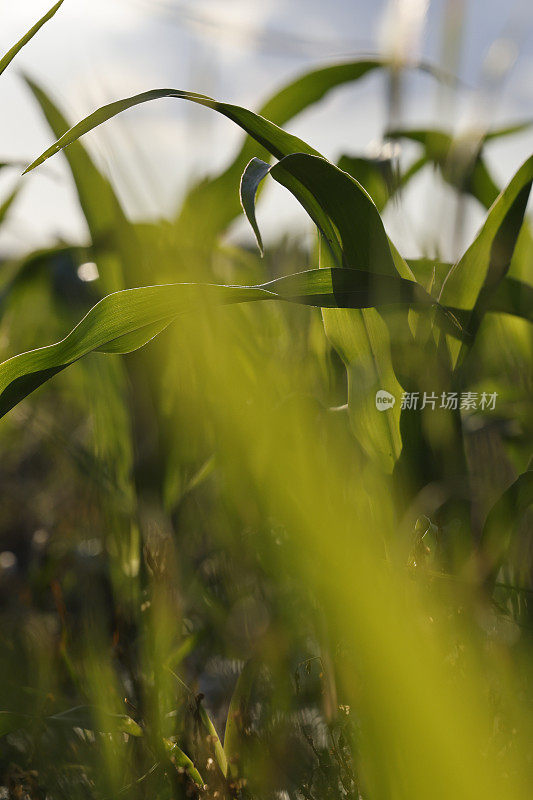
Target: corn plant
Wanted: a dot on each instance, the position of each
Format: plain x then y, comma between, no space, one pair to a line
356,568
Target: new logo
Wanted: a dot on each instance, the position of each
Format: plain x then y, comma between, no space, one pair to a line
384,400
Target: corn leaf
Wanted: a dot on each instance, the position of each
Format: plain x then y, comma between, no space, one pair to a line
6,60
376,175
126,320
460,161
471,282
503,520
352,228
335,201
512,296
111,233
274,139
213,200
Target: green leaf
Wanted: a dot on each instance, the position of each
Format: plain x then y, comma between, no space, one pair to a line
97,199
7,203
10,55
349,246
459,159
352,228
213,201
337,204
240,701
218,749
111,233
512,296
126,320
376,175
85,717
522,261
471,282
503,521
282,107
273,138
251,179
182,761
209,728
461,167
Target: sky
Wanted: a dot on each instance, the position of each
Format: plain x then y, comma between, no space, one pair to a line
95,51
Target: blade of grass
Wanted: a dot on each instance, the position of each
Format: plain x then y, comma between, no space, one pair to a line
208,726
182,761
6,60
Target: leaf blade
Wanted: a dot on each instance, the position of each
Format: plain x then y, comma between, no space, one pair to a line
128,319
6,60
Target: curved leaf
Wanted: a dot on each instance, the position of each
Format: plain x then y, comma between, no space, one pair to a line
126,320
471,281
251,179
274,139
352,228
337,204
212,200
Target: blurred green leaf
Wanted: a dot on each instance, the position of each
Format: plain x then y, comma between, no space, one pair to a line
85,717
237,714
7,203
182,761
78,717
111,233
503,521
512,296
11,721
460,159
376,175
